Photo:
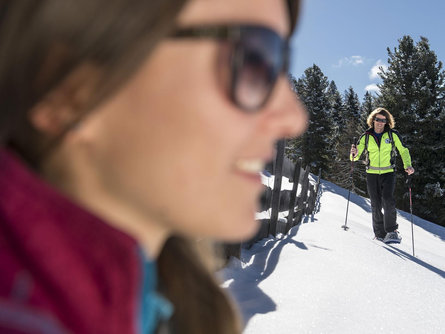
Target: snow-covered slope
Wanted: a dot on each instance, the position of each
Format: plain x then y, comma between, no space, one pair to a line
322,279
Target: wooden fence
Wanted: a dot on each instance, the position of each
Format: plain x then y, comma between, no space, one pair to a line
278,200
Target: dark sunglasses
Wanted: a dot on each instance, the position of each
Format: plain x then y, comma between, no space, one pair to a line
380,120
257,56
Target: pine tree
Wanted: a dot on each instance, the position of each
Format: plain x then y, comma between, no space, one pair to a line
335,105
368,104
413,90
315,145
354,127
293,148
352,115
336,109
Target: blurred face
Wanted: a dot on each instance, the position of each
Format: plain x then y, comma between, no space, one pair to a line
172,147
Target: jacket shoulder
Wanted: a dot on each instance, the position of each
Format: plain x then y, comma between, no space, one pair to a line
394,132
398,135
360,138
367,132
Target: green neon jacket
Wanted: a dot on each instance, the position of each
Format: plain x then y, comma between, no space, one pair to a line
380,155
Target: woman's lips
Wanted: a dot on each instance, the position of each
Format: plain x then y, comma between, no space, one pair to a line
250,165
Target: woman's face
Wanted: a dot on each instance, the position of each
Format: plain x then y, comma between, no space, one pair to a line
171,147
379,123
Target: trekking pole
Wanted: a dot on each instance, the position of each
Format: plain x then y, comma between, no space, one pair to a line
345,226
408,182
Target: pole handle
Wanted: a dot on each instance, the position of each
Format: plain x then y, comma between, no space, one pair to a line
409,181
354,141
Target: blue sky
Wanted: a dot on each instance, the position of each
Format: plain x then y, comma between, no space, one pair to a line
348,38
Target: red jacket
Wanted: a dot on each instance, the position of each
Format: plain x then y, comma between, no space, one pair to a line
62,270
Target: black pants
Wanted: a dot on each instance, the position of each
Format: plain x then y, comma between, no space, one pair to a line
381,191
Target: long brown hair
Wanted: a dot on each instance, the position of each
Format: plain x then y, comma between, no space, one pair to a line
42,42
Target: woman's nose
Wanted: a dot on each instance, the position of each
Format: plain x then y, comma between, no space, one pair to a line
286,116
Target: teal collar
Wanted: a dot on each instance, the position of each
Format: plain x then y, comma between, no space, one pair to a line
154,308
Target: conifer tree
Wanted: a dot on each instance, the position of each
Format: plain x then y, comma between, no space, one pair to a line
352,114
338,168
354,127
335,105
368,104
293,148
315,145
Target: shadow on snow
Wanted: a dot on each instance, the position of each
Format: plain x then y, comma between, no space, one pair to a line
404,255
245,289
362,202
437,230
264,256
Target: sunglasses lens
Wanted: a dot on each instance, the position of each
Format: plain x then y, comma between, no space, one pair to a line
259,58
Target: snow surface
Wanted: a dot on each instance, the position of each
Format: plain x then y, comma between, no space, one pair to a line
322,279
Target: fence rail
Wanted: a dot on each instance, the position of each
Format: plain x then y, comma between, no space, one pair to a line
297,206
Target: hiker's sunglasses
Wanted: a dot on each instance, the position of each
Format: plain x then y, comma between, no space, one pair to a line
380,120
256,57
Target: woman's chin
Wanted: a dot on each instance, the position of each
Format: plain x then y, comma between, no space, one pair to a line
244,230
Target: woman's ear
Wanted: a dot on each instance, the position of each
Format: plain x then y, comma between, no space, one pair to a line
51,118
66,103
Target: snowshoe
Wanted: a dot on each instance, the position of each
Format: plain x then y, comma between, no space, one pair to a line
392,238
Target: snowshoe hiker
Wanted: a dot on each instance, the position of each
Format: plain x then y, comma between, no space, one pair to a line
380,144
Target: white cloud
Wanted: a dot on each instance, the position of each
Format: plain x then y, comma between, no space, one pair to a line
372,88
375,70
353,60
357,60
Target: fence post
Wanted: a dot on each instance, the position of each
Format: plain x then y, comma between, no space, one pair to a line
317,189
317,185
311,200
277,187
293,195
303,195
305,186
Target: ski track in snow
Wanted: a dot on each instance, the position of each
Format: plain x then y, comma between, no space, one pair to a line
322,279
